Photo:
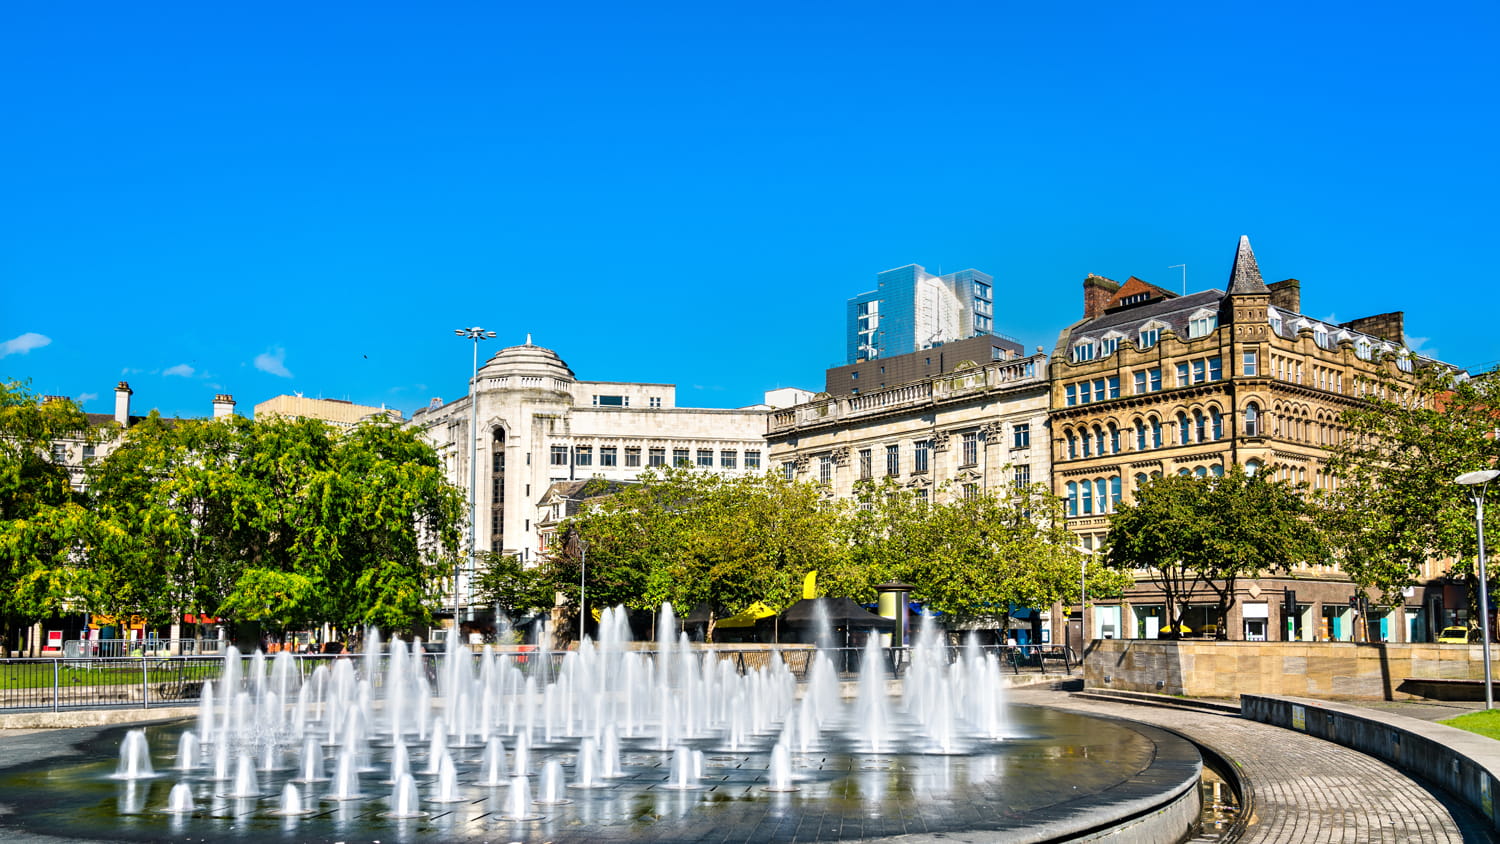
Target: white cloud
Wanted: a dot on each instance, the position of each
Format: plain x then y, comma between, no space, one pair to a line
273,361
85,398
1421,347
23,344
180,369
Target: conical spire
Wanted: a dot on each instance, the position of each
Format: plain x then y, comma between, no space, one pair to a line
1244,277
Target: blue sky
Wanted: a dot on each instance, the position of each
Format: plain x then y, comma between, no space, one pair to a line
281,197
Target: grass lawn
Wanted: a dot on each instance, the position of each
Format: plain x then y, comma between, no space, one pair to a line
38,675
1486,724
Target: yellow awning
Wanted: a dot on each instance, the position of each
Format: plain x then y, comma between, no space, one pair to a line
747,618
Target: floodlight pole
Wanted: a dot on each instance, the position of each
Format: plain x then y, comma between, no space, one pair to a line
1478,484
476,334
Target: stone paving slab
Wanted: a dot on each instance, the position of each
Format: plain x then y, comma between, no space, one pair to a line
1305,789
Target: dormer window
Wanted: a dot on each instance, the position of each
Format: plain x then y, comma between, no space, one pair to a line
1320,336
1108,345
1202,324
1362,348
1083,351
1275,319
1150,334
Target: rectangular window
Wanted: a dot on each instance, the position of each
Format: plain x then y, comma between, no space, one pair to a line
1072,393
655,401
657,457
1202,327
611,401
1022,476
705,458
559,455
1215,369
583,455
1155,374
892,460
1149,337
1140,383
89,453
1182,375
1107,346
971,491
1198,369
1083,352
681,457
1252,359
971,449
608,455
789,470
1021,435
919,456
752,459
921,496
729,460
825,470
1085,392
1114,386
865,461
633,456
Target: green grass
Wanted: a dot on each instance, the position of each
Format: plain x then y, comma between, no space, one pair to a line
39,676
1485,723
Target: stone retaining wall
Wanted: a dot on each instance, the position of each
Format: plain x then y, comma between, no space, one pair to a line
1333,670
1461,763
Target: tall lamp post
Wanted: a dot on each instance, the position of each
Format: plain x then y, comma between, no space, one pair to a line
476,334
1478,484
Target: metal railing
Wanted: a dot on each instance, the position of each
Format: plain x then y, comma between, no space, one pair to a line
111,648
64,683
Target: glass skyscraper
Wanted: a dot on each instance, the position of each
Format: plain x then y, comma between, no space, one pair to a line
911,309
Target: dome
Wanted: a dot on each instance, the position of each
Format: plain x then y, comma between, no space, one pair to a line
527,360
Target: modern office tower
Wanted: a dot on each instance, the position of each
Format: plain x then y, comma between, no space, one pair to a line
911,309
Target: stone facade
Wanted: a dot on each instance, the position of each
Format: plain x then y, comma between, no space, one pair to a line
538,425
981,427
337,412
1152,383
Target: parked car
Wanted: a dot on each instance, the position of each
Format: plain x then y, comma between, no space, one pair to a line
1458,636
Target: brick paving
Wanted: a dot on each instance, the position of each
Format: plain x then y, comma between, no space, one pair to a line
1305,789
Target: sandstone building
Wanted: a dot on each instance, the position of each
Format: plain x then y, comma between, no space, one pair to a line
1149,383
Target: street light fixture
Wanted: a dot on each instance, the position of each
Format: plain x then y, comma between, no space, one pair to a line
1478,484
476,334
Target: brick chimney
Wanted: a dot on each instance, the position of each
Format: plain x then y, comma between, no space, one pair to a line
1389,326
1286,295
1097,291
223,405
122,404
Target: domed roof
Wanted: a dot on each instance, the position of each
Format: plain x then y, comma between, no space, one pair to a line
527,359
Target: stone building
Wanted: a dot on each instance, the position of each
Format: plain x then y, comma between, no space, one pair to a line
538,425
1149,383
977,427
337,412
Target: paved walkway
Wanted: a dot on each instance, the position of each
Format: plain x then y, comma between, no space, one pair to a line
1305,789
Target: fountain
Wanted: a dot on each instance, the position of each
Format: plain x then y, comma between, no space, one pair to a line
685,735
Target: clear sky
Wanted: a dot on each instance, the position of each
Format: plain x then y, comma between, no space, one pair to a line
276,197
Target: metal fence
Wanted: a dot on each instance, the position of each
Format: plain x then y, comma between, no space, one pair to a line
78,648
84,682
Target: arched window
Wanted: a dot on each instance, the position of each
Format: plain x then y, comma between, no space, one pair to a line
1184,471
1218,422
1184,430
1101,492
1088,443
1072,498
1114,439
1140,479
1072,446
1114,492
1252,420
1200,472
1140,435
1217,470
1252,468
1200,427
1086,490
1099,441
1155,432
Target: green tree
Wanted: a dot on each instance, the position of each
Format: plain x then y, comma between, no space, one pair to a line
514,588
1191,534
1396,505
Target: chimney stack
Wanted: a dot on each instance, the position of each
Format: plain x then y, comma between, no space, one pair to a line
1287,295
1097,291
122,404
223,405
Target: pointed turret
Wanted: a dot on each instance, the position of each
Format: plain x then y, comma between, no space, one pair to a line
1244,277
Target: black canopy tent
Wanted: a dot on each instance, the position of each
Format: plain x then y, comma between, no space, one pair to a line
842,614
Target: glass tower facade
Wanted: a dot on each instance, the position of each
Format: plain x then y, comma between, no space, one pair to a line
911,309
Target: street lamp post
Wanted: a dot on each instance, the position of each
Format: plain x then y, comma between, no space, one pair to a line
1478,484
476,334
583,570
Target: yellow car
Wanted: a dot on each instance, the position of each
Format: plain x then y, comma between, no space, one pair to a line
1458,636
